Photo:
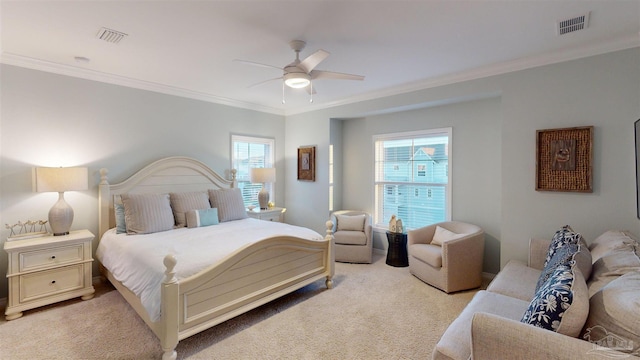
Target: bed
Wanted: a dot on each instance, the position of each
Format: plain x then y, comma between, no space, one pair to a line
247,277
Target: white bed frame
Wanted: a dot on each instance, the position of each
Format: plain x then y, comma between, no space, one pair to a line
244,280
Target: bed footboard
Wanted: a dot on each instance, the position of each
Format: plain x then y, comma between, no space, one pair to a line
246,279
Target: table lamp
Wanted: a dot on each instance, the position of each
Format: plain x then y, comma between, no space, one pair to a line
263,175
60,180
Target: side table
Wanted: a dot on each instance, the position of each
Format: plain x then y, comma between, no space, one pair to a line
397,252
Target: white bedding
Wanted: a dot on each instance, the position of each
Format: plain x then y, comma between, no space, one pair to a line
137,260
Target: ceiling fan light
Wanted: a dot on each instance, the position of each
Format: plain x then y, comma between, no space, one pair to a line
297,81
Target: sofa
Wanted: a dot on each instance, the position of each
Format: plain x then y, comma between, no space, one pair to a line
516,317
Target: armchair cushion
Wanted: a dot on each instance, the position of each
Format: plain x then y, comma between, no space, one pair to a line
441,235
428,253
347,237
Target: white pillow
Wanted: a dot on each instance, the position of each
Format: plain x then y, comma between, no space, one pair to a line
443,235
350,222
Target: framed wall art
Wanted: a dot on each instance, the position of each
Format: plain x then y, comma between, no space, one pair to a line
564,159
637,133
307,163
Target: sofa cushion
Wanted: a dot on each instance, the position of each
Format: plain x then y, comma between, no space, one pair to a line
608,241
516,280
427,253
455,343
561,304
350,237
616,262
613,315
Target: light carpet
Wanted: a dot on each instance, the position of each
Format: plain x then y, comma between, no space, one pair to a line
374,311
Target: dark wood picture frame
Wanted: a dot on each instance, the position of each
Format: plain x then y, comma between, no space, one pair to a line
307,163
564,159
637,133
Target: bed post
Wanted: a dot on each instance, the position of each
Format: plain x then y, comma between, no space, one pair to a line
103,202
169,310
234,181
329,237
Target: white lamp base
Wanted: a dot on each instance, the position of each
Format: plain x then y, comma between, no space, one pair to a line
60,217
263,198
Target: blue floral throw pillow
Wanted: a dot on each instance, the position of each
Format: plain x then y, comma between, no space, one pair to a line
562,256
561,304
564,236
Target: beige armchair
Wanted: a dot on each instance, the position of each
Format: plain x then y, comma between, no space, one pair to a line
353,236
453,266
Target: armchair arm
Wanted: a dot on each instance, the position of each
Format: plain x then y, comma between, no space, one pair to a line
494,337
538,252
464,255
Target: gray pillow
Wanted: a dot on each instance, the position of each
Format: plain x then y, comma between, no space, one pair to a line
147,213
229,203
186,201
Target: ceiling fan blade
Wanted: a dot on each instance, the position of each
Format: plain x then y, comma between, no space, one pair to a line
321,74
313,60
265,81
257,64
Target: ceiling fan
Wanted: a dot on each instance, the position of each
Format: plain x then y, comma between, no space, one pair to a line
300,73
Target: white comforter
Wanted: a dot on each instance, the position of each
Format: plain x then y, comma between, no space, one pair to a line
137,260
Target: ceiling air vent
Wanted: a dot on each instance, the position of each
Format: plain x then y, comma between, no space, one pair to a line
110,35
573,24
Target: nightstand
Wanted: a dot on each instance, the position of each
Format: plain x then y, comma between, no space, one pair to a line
48,269
271,214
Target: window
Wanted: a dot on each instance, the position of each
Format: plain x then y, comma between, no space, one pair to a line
251,152
412,179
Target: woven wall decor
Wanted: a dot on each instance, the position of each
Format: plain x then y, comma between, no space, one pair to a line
564,159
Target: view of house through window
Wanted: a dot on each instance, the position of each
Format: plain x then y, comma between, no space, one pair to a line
412,179
251,152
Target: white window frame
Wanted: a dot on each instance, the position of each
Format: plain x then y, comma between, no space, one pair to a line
269,160
381,224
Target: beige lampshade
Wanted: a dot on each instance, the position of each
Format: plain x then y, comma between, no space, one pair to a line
262,175
62,179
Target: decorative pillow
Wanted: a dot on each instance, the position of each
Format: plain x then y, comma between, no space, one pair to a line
443,235
147,213
567,255
561,304
562,256
613,319
350,222
622,259
185,201
229,204
121,225
563,236
198,218
610,240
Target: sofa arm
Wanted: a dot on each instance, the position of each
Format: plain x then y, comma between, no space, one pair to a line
538,249
494,337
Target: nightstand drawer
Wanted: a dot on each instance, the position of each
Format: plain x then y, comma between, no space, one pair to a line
45,283
47,258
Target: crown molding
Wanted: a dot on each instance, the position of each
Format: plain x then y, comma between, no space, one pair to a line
485,71
477,73
60,69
